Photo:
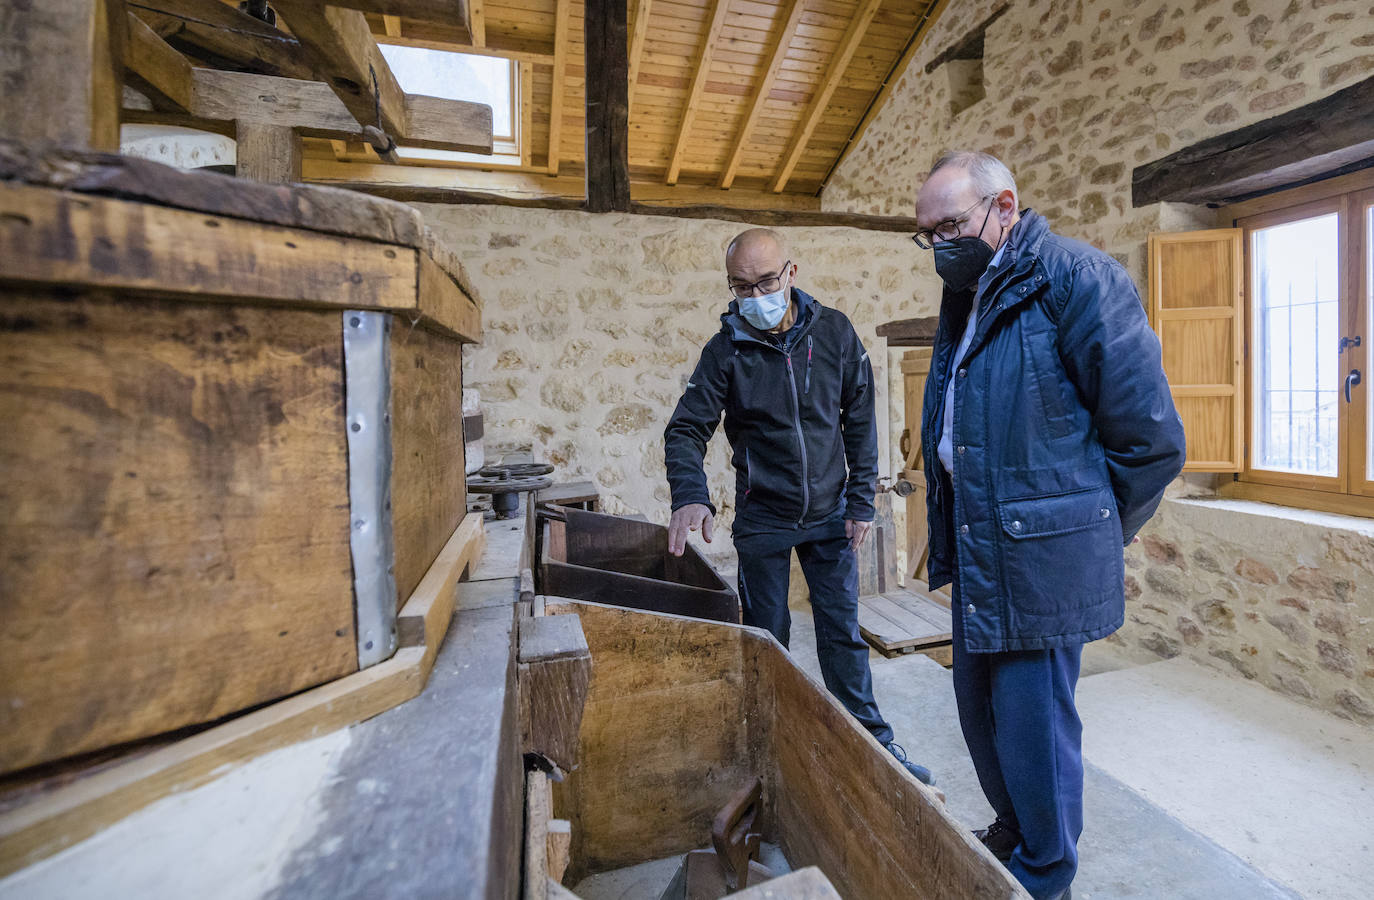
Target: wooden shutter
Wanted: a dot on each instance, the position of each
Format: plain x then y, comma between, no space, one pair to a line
1196,286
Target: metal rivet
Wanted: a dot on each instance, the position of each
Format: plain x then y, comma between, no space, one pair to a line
961,450
963,373
355,321
971,608
1106,513
367,646
963,529
1016,525
356,426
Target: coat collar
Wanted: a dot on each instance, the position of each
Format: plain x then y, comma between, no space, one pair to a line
739,330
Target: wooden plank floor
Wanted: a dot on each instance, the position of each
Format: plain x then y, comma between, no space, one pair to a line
902,621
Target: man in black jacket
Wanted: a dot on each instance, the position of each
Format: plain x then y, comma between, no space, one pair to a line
796,387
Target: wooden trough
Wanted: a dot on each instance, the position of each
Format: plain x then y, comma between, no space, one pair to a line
681,713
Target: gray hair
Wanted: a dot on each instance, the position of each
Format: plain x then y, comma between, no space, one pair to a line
988,174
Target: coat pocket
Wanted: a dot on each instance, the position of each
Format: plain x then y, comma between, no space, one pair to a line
1062,552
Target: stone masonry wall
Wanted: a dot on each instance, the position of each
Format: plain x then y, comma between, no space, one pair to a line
593,323
1079,93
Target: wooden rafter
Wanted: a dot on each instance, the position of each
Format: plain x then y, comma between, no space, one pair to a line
719,8
391,25
641,28
789,29
153,67
853,35
560,65
923,27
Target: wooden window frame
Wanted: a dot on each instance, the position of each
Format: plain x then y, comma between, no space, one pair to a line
1351,491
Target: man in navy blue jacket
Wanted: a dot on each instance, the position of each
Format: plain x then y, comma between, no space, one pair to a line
796,388
1050,436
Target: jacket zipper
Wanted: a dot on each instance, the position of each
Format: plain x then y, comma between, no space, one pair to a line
807,390
801,438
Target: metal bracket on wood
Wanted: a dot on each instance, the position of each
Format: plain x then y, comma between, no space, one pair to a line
367,405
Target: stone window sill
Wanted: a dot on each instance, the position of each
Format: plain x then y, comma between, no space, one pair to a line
1355,525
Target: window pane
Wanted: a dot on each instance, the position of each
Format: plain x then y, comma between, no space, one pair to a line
1296,280
455,76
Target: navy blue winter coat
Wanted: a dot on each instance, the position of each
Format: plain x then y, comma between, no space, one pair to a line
799,419
1065,437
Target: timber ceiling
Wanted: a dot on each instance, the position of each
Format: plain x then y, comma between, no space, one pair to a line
756,96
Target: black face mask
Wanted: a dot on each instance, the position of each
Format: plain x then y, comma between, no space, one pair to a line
960,262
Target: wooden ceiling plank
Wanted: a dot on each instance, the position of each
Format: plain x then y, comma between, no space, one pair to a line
641,28
703,69
560,61
776,57
857,26
153,67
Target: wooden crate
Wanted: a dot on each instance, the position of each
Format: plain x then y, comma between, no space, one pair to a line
180,538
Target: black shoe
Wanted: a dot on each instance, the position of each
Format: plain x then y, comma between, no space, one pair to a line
921,773
1001,840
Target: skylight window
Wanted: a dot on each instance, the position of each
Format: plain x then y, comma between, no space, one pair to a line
458,76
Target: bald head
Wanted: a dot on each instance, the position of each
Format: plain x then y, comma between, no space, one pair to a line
756,254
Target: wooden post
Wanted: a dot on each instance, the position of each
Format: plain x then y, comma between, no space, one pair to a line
270,153
608,107
62,64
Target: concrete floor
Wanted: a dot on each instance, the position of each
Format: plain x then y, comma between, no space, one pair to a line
1197,784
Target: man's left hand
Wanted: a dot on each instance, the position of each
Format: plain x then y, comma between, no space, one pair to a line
856,532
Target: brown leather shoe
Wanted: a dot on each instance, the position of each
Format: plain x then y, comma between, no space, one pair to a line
998,838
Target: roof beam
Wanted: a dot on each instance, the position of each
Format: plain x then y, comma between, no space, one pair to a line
153,67
391,25
477,22
853,35
641,28
719,8
561,25
789,29
608,110
224,37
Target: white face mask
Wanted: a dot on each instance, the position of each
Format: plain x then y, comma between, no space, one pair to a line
766,311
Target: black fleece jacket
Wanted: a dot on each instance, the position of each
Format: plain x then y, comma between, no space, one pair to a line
798,414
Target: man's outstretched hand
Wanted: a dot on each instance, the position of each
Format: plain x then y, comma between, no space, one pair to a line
689,518
856,532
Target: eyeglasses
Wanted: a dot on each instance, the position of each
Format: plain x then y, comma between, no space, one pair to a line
947,230
766,286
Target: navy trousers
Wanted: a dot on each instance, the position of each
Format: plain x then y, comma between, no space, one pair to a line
832,575
1023,732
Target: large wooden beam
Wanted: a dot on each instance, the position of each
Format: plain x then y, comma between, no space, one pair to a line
608,111
719,9
62,67
853,36
314,109
223,37
640,30
153,67
340,45
791,19
561,24
1327,137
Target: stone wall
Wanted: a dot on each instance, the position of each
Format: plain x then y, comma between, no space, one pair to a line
1277,596
1077,95
593,323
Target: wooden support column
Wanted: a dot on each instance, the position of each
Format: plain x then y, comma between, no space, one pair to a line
62,65
608,111
268,153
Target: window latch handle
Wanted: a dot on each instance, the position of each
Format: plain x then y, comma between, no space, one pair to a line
1350,381
1348,342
